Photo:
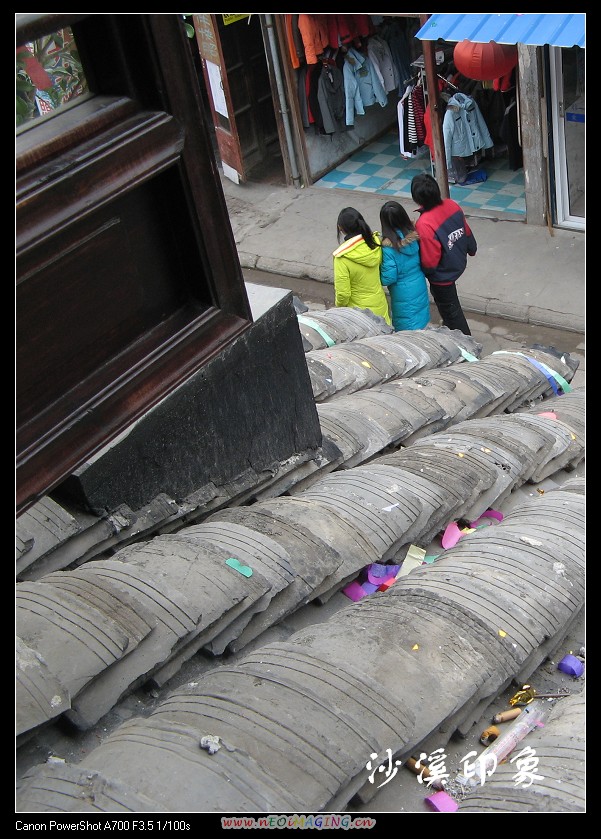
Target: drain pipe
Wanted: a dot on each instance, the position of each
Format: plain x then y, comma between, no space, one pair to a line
283,105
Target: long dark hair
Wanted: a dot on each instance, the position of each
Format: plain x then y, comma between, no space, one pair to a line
351,223
393,217
425,191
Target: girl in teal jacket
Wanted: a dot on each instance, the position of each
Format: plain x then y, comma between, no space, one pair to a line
401,271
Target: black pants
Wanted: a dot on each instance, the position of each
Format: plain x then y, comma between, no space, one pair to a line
449,307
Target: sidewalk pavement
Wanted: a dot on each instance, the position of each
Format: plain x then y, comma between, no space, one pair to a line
521,272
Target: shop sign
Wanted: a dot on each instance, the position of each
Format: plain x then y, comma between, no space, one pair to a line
232,18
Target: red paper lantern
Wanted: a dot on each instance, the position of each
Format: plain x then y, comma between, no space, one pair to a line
484,62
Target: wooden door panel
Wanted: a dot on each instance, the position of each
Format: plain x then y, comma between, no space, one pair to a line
216,79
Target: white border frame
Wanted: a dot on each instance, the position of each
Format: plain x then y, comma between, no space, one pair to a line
564,219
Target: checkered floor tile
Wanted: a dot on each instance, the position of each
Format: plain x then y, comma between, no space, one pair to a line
379,168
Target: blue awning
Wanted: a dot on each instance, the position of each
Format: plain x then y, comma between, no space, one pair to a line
557,30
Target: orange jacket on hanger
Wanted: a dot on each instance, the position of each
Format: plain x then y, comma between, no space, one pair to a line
294,59
314,32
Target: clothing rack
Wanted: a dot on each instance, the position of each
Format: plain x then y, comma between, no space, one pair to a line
420,74
420,79
419,64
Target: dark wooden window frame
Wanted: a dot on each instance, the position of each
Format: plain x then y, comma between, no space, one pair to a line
140,141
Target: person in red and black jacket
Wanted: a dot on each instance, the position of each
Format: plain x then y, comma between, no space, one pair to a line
445,242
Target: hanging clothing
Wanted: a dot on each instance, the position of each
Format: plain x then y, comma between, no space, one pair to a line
419,108
302,88
331,98
292,41
411,129
357,276
398,42
403,134
361,79
380,56
429,139
492,107
463,128
308,71
345,30
352,94
314,32
341,30
402,274
315,115
510,136
506,82
364,25
297,40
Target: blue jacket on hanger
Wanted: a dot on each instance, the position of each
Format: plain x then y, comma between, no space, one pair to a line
463,128
361,84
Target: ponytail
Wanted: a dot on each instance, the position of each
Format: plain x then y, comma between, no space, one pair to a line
352,223
367,234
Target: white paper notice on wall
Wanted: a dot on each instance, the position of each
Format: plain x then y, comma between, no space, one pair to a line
214,74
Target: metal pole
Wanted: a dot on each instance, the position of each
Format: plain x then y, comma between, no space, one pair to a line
296,179
440,158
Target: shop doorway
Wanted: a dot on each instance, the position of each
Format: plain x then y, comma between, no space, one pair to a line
236,74
568,130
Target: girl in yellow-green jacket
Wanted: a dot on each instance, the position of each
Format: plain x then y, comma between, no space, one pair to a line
357,266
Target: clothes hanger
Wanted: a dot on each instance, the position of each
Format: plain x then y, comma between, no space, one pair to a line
447,82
